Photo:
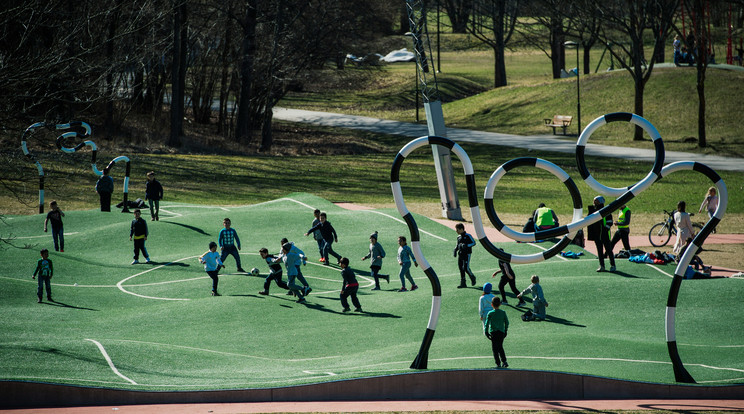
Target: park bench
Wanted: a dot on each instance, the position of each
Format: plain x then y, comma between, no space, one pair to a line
559,121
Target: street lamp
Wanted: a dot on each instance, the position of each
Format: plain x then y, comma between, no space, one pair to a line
571,44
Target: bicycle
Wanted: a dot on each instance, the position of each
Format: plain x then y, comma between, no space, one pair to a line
660,233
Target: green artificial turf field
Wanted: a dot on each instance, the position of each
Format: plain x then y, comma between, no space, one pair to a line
156,327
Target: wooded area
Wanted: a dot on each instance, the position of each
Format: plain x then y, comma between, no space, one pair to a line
228,63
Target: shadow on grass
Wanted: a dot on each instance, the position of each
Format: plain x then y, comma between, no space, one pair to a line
551,318
64,305
196,229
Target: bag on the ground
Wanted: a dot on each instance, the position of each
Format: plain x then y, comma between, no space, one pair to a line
528,316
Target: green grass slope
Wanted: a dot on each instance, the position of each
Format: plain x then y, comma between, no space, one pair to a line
156,327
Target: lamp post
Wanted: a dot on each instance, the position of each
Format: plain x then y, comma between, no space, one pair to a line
571,44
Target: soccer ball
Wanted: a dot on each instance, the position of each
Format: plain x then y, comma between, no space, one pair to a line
255,271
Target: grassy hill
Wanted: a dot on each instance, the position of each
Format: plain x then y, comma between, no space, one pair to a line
163,331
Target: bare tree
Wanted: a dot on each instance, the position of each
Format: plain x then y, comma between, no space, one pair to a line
626,24
492,22
458,12
178,73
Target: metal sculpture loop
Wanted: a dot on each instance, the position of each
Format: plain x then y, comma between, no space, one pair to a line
60,141
623,195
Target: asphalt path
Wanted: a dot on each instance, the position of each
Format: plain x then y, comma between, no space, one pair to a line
529,142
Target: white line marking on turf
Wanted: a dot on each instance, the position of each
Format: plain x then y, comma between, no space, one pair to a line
401,221
119,285
330,374
656,267
222,352
544,249
43,235
110,363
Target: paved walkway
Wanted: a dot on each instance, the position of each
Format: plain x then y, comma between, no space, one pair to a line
403,406
529,142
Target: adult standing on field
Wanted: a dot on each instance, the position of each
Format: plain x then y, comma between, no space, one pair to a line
104,188
623,229
600,233
684,228
153,195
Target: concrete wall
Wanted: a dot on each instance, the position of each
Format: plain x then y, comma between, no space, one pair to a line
430,385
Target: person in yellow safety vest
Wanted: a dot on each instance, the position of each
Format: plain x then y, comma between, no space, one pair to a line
544,218
623,229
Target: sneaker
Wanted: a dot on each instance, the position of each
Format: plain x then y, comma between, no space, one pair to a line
498,365
326,264
600,269
240,269
307,290
346,310
472,280
61,250
505,365
38,301
403,289
521,303
152,219
214,293
414,287
612,268
375,288
386,277
504,302
135,261
462,286
290,293
148,260
263,292
49,298
358,310
157,218
301,300
322,260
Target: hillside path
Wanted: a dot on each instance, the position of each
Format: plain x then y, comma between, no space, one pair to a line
529,142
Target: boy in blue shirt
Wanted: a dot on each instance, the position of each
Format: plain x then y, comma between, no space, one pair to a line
229,243
212,263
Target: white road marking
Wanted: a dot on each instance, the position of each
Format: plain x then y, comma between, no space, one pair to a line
111,363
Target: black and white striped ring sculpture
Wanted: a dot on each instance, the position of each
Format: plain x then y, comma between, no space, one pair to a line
59,142
623,195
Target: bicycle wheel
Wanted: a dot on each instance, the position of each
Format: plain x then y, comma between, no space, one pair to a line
659,234
697,227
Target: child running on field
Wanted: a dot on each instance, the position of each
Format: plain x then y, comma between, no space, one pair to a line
212,263
376,254
45,270
306,289
329,237
349,287
275,271
292,263
507,277
405,256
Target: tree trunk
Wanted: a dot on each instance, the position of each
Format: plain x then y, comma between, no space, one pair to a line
266,136
557,53
243,124
638,106
178,73
586,59
701,114
499,68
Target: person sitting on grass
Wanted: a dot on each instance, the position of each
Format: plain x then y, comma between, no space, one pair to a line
538,300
